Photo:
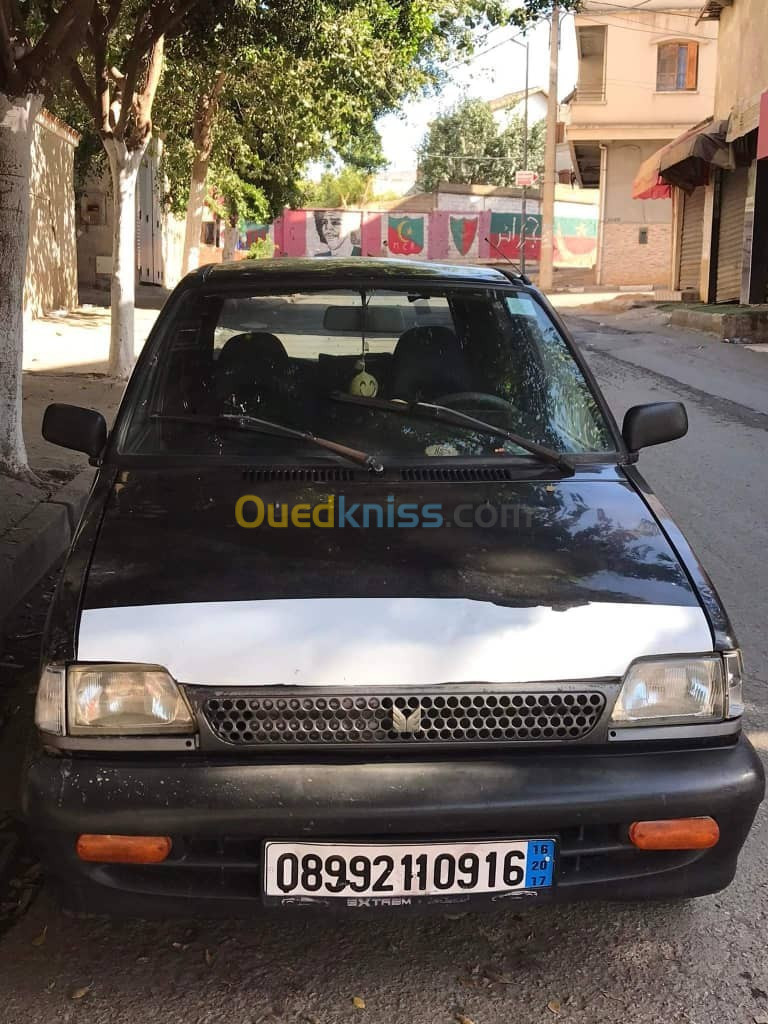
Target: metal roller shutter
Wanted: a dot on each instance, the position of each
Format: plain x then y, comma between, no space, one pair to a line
691,241
730,247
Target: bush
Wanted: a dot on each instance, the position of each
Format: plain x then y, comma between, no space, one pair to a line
261,249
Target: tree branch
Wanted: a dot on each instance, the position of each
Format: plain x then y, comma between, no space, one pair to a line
59,43
146,97
132,69
205,114
7,63
83,90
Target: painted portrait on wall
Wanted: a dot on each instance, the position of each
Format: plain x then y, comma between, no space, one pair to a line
333,232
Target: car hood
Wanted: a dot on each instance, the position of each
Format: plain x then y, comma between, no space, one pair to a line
574,580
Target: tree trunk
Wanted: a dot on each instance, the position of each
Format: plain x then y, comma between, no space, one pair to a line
202,140
231,238
17,122
194,223
124,166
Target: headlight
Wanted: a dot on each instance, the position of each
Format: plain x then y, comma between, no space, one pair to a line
672,691
124,700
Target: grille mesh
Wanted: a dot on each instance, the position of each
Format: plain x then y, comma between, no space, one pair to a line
387,718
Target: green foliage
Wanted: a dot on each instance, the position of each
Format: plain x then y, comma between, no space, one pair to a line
261,249
532,10
346,187
466,146
90,158
305,81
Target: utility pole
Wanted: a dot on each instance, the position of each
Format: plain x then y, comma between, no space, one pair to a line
546,263
524,212
525,157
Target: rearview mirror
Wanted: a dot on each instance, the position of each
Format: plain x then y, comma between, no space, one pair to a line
656,423
379,320
71,426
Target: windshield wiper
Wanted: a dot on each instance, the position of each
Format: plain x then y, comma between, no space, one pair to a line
442,414
236,421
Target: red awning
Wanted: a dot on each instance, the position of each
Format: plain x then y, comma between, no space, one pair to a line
684,162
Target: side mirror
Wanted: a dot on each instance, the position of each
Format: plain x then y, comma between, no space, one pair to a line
71,426
645,425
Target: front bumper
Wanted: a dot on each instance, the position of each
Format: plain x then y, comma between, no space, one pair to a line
219,813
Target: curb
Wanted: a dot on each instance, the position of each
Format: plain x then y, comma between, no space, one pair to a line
33,546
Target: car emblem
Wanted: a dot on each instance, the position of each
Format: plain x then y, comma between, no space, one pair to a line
407,722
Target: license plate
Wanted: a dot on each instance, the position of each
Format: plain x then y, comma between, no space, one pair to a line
306,872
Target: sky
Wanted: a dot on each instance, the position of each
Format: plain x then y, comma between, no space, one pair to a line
498,67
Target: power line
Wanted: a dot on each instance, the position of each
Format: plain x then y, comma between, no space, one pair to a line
637,28
612,3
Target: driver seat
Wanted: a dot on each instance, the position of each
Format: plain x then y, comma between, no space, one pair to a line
427,363
251,373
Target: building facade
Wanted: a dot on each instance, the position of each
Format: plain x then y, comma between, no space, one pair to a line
734,255
159,234
645,75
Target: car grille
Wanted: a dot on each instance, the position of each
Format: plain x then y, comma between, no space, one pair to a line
384,718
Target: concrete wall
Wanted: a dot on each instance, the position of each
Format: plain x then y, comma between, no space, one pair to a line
743,66
51,281
631,99
623,160
624,259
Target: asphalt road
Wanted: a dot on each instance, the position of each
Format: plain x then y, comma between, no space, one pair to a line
697,963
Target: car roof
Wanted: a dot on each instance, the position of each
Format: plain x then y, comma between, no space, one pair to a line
334,269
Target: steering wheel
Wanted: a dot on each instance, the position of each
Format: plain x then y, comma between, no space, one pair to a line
458,398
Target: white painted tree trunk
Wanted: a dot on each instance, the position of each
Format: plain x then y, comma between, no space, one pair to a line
124,167
231,238
17,122
194,223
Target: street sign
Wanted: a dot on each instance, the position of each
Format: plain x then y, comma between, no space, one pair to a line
524,179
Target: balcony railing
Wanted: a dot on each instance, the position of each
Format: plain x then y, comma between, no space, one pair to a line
589,94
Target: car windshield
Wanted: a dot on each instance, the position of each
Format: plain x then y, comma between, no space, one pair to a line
292,358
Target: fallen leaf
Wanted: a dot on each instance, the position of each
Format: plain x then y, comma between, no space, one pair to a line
209,957
358,1003
553,1006
78,993
39,940
464,1020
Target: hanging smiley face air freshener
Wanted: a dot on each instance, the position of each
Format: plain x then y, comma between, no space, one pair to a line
363,383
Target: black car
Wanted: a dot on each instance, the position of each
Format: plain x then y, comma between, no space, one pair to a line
370,607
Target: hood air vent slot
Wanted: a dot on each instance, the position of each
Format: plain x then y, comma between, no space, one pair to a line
300,474
461,473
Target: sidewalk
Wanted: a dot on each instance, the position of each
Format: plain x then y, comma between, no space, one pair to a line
64,361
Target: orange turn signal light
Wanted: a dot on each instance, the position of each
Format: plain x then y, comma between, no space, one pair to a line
123,849
675,834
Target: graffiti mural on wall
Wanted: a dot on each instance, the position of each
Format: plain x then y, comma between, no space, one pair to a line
506,234
464,237
406,236
251,232
438,235
334,233
575,241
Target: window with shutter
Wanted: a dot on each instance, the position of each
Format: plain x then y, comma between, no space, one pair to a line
677,67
